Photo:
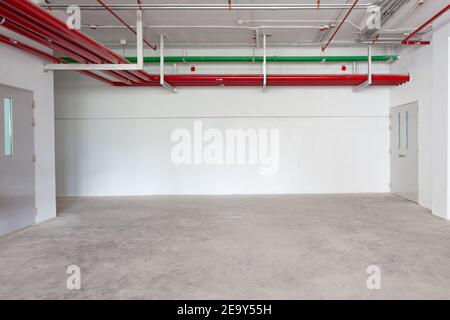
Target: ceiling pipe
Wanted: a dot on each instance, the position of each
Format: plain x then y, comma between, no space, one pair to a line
41,17
234,6
97,27
111,66
235,80
23,47
125,23
45,37
417,43
437,15
419,4
49,44
15,17
36,33
333,24
340,25
278,80
243,27
342,43
231,59
43,41
208,80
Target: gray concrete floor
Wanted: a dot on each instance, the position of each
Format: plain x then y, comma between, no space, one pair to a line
233,247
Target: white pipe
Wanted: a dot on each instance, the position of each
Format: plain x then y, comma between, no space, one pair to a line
205,27
214,6
239,27
273,44
409,14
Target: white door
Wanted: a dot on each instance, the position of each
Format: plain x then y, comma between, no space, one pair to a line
404,151
17,200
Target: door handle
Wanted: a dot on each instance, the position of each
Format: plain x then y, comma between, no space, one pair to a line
402,156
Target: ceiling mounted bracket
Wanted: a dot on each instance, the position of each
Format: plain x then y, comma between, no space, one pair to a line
369,80
264,66
162,80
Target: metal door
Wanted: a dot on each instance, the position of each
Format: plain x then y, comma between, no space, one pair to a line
404,151
17,188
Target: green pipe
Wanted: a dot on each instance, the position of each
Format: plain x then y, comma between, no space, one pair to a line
180,59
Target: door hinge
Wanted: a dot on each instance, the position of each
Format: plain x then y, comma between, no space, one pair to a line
33,105
35,211
33,123
34,158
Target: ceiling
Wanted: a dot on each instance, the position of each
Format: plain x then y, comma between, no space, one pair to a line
239,27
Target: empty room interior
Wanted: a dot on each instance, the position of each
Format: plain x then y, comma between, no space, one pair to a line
224,149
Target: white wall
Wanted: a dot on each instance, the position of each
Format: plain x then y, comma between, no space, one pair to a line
24,71
441,119
116,141
420,89
429,70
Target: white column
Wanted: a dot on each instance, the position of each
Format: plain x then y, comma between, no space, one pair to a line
441,120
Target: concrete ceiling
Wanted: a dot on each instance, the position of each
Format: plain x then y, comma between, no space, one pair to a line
184,27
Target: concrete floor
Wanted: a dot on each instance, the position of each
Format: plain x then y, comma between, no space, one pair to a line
233,247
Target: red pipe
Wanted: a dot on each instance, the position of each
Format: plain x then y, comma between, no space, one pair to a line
10,15
41,17
437,15
124,22
235,80
48,57
41,36
340,25
23,47
37,33
278,80
17,29
418,43
51,26
43,41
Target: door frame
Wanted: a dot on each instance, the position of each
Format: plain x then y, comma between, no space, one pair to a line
34,149
418,150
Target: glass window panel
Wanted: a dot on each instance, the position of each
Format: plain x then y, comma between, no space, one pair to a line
406,129
8,126
399,131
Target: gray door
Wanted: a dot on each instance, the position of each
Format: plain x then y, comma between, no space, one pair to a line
404,151
17,200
